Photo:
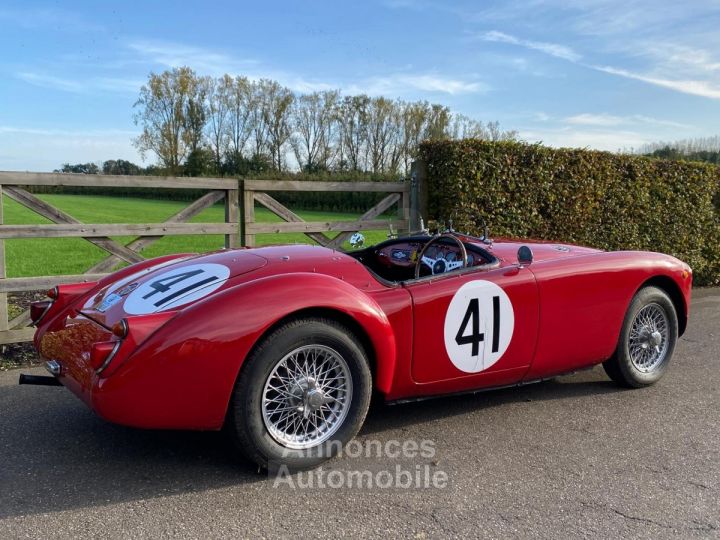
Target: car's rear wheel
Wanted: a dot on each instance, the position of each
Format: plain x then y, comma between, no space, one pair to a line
647,340
301,395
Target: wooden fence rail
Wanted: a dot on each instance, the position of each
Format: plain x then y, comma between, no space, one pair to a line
255,191
231,191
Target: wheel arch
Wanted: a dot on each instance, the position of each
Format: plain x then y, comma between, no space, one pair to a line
671,288
320,312
333,298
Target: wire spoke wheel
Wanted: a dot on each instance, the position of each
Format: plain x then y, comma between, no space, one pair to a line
648,338
307,396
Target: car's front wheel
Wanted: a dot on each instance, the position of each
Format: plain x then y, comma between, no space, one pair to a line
647,340
301,395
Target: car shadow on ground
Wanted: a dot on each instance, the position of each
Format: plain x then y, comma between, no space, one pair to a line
383,417
59,456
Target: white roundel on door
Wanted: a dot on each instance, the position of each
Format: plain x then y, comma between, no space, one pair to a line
479,325
176,287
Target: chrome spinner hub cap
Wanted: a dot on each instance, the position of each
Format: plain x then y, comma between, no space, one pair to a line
648,339
307,396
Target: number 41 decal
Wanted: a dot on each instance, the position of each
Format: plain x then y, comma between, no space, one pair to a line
166,284
476,336
480,313
176,287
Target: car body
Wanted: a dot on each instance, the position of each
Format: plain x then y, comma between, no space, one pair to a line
162,343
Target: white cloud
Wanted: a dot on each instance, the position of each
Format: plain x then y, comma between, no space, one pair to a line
78,86
200,59
53,132
609,120
552,49
435,83
49,81
588,119
693,87
690,57
683,61
578,138
405,83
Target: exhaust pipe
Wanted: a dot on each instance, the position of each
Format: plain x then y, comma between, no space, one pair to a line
53,366
41,380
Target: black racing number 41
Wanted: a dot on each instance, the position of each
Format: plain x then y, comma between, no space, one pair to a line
472,319
166,284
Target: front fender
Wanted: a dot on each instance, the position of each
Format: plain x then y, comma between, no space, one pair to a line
183,375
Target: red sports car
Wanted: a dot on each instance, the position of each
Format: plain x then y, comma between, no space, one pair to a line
284,345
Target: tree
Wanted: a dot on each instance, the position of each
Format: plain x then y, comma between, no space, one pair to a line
199,162
353,117
313,119
276,108
414,117
218,126
240,115
121,166
231,125
163,108
438,123
383,130
495,133
196,113
79,168
259,111
705,149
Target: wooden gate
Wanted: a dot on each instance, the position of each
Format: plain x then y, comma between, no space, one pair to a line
65,225
256,191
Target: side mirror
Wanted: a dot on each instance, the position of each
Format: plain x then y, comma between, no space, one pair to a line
357,240
524,256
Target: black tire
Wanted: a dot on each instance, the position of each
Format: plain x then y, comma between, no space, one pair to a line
620,367
245,417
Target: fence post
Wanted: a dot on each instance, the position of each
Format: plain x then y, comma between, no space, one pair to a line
3,296
241,202
404,210
232,215
248,240
418,195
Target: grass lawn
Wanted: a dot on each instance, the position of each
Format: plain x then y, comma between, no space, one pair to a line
55,256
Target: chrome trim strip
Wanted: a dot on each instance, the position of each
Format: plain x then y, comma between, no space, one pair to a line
42,316
107,361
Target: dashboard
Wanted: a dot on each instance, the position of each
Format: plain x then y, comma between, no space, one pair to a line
395,260
404,254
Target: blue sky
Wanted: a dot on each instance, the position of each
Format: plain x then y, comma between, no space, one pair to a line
605,74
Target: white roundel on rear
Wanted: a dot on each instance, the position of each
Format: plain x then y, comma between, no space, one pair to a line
479,325
176,287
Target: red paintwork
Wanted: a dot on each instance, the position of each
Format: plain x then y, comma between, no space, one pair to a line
176,368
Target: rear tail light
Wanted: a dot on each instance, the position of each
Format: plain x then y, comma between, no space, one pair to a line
132,332
120,329
60,297
102,354
38,310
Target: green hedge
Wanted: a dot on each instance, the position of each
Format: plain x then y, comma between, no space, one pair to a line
609,201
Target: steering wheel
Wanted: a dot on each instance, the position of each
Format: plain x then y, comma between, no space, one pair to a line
441,265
